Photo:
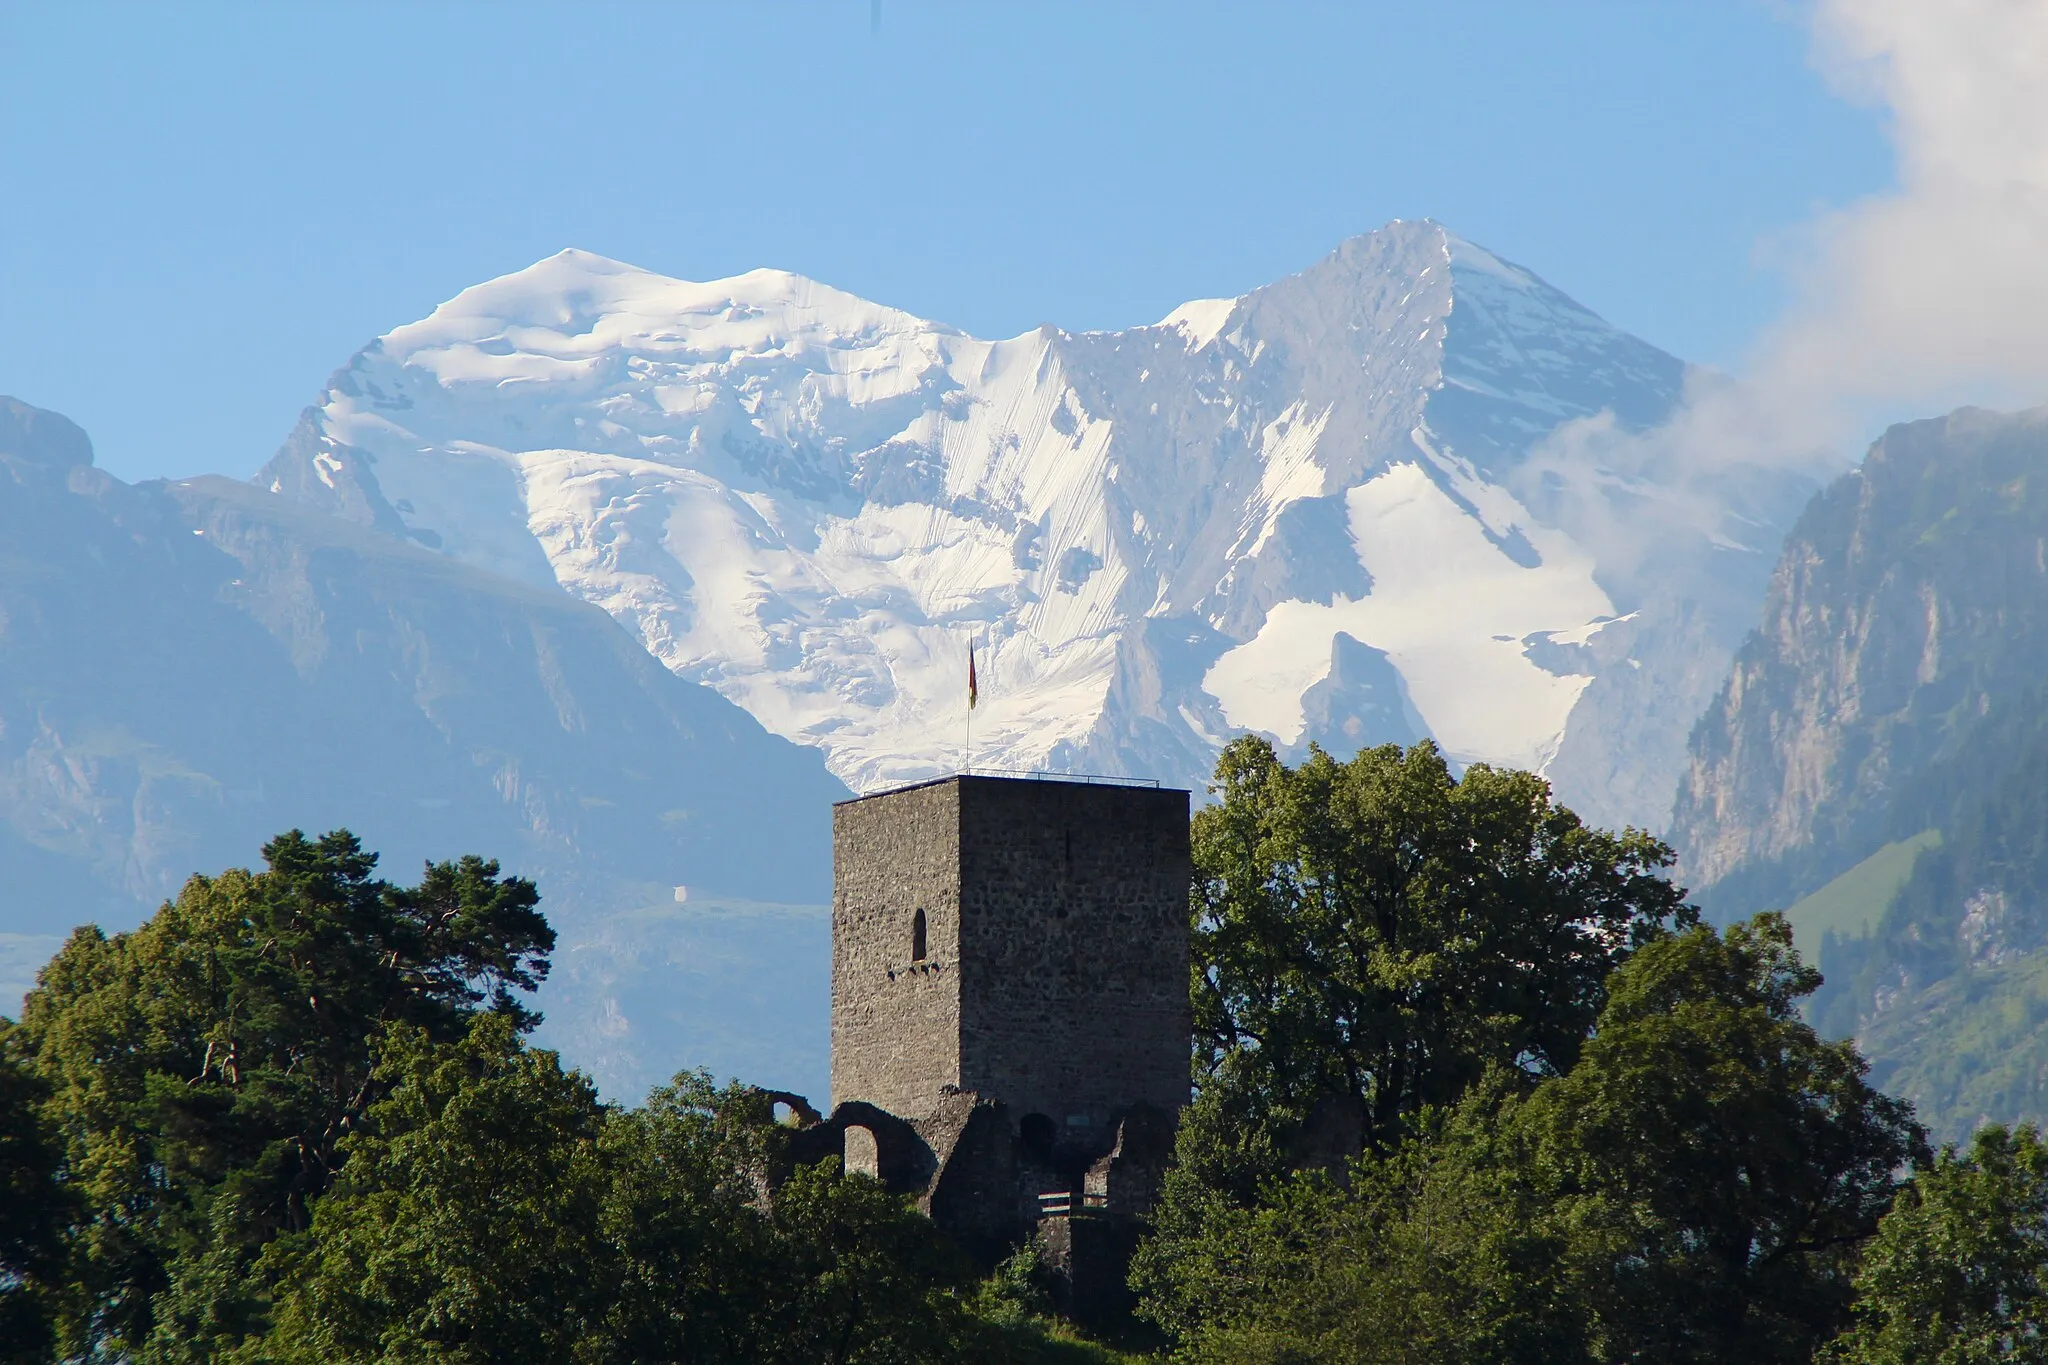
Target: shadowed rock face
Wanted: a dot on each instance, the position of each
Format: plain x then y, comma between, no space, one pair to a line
1158,535
1361,704
189,668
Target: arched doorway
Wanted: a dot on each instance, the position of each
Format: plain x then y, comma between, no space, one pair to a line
861,1155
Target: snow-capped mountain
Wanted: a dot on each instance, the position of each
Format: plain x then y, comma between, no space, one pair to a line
1307,511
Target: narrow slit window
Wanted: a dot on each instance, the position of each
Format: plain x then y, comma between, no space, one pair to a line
917,937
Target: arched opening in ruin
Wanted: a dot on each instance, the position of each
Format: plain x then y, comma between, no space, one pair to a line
790,1109
1037,1133
917,937
862,1154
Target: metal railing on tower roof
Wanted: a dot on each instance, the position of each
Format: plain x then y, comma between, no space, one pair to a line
1015,775
1048,775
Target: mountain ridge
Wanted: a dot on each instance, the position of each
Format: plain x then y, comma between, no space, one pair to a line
1158,534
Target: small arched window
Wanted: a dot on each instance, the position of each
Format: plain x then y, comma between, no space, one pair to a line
917,937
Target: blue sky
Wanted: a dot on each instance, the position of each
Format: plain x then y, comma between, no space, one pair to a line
208,208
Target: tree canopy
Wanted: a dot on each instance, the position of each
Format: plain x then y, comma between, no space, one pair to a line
1473,1084
203,1070
1694,1188
293,1118
32,1207
1958,1272
1370,936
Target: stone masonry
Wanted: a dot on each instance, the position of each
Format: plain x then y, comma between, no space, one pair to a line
1055,972
1010,1023
896,1019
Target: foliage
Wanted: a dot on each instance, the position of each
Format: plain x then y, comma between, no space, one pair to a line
1215,1256
1945,993
1376,933
865,1277
1692,1189
1016,1323
291,1119
683,1210
466,1225
204,1069
1967,1047
1719,1160
1019,1290
1437,1252
492,1210
1958,1272
32,1209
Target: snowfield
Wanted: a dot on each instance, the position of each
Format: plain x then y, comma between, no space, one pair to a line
1296,512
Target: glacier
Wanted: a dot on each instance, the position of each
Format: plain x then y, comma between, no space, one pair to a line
1309,511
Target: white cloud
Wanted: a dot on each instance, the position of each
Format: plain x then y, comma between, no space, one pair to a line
1905,304
1937,291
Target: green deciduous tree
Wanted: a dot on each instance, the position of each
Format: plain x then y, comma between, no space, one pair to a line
1439,1253
697,1256
865,1278
203,1070
492,1210
1958,1272
1694,1189
32,1210
1372,935
831,1268
467,1225
291,1119
1716,1162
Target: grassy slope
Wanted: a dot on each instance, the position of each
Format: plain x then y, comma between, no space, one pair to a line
1968,1050
1852,904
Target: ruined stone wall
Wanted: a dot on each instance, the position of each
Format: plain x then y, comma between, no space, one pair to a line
1074,949
896,1020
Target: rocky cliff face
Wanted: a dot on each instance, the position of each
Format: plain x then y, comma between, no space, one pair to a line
1893,698
1308,511
187,669
1906,621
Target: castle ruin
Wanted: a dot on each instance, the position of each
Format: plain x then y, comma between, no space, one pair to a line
1010,1020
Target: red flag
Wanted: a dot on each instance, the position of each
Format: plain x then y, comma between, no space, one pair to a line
970,675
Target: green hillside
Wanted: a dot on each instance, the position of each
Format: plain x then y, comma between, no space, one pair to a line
1970,1049
1851,905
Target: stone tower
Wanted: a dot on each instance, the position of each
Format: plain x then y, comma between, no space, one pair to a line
1021,939
1010,1022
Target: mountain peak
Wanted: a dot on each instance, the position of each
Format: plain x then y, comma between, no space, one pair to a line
808,501
576,303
